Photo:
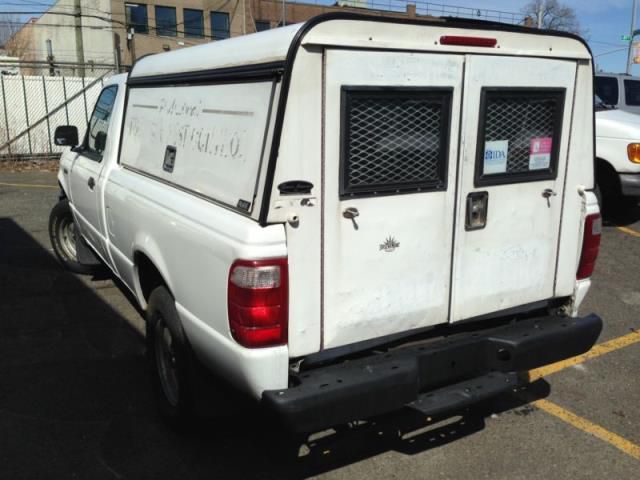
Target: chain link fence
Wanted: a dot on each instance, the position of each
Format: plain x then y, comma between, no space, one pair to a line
37,97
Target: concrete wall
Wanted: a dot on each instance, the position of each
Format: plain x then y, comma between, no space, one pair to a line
93,44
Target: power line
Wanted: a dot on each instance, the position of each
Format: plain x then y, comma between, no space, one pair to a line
108,20
610,51
66,14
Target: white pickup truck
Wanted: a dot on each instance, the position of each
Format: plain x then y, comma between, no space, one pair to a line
617,153
348,216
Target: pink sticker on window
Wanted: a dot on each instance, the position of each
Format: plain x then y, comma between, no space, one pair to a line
540,153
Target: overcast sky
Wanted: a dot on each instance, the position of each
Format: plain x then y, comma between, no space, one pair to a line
606,21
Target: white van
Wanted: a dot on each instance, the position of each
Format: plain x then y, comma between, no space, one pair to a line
347,216
619,90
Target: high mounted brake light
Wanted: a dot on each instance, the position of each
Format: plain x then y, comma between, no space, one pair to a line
590,245
257,300
468,41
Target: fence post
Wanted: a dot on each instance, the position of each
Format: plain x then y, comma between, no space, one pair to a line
84,98
64,92
26,114
46,112
6,117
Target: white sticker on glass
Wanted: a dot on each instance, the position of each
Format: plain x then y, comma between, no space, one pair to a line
540,153
495,156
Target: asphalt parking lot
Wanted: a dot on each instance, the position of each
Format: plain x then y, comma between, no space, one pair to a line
75,400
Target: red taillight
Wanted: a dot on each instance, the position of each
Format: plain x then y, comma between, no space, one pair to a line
590,245
257,302
468,41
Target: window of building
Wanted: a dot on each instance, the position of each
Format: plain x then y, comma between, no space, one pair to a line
136,14
220,25
193,23
262,25
166,21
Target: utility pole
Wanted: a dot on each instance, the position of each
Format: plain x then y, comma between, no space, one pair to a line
244,18
131,38
77,4
540,13
52,70
284,13
116,52
633,31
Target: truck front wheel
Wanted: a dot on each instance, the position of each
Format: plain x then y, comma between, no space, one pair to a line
62,234
169,357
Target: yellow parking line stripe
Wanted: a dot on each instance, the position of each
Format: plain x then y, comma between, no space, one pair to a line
596,351
585,425
629,231
27,185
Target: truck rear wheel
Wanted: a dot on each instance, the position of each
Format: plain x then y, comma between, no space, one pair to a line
62,234
169,358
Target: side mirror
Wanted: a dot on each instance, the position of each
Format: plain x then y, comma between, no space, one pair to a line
66,136
101,141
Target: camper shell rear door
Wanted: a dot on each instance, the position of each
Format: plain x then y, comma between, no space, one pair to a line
416,234
515,134
391,145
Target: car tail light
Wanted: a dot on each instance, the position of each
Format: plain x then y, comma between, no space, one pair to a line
257,300
468,41
590,245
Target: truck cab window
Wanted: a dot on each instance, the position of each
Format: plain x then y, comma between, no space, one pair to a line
632,92
99,123
607,89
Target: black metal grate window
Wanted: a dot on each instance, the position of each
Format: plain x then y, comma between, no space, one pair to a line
518,117
394,140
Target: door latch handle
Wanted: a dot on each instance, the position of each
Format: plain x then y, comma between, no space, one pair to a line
91,182
548,193
351,213
477,205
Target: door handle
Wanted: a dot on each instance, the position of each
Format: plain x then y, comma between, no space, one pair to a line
548,193
477,204
91,182
351,213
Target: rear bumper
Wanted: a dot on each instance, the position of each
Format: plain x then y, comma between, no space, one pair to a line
387,381
630,184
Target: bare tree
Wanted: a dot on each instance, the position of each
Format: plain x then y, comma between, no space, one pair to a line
554,16
9,26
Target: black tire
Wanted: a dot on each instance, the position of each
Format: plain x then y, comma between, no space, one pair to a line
169,358
63,239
